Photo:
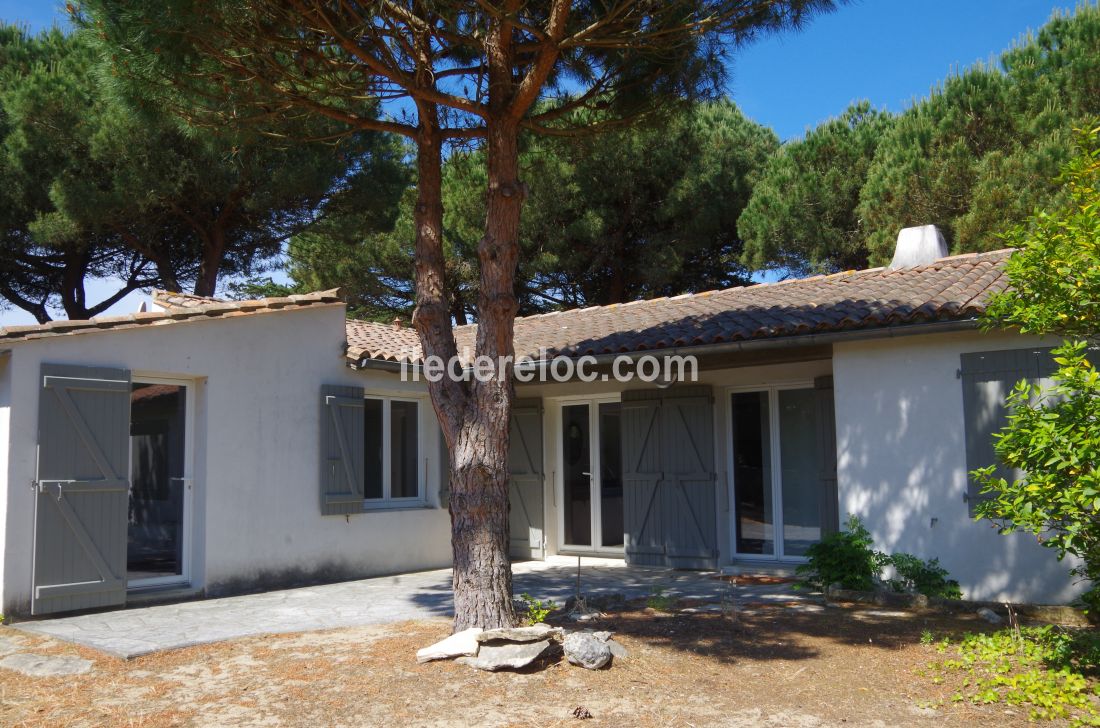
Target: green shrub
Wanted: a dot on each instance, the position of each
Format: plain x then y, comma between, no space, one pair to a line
848,559
1043,668
845,558
1052,435
915,575
537,610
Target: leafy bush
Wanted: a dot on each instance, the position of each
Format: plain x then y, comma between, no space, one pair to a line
848,559
1045,668
1053,433
537,610
915,575
845,558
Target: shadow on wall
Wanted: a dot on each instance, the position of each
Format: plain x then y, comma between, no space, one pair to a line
903,461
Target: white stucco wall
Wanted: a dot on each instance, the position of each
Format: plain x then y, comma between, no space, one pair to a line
256,513
902,465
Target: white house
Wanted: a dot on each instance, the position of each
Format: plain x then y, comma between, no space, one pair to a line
214,447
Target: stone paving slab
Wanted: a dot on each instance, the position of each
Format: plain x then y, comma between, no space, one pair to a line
132,632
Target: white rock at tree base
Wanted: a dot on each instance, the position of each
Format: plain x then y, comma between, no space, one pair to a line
457,645
507,656
587,650
534,633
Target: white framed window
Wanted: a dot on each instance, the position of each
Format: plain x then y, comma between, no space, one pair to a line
774,458
393,473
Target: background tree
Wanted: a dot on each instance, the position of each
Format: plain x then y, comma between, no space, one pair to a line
45,101
802,218
1053,435
643,212
634,213
102,186
469,69
979,155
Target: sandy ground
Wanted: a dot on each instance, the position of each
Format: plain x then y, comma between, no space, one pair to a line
774,666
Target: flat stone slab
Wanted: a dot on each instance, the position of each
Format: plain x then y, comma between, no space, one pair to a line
34,665
9,645
460,644
534,633
507,656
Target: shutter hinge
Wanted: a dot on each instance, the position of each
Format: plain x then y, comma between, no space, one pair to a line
958,374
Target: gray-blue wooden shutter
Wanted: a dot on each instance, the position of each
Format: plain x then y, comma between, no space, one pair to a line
669,484
525,488
689,483
82,488
643,525
342,450
987,379
826,436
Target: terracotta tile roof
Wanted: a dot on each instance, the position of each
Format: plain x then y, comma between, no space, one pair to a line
369,340
951,289
178,308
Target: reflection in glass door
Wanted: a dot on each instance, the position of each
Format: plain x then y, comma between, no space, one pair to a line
752,473
611,476
158,484
801,481
592,477
576,474
776,461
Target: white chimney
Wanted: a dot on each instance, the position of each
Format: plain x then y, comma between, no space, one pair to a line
919,246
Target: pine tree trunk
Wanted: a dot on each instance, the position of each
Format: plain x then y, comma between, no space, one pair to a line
474,417
480,477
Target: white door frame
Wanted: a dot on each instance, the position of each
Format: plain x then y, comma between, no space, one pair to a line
184,577
593,403
776,466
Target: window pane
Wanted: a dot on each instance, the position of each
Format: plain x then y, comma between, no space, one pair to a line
752,477
577,466
611,475
404,480
802,488
372,443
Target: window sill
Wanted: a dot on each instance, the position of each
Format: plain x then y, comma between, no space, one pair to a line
390,507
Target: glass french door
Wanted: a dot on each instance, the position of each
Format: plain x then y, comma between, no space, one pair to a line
159,484
776,461
591,517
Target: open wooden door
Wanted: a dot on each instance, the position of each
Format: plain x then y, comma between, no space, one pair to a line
82,489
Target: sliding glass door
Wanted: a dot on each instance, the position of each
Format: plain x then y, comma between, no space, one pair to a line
775,463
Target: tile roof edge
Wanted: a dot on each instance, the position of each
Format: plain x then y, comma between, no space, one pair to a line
216,312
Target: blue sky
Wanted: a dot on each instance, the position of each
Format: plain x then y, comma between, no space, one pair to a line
888,51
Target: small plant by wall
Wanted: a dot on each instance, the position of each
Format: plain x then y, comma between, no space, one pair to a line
536,610
848,559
